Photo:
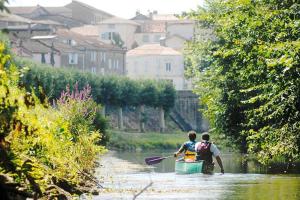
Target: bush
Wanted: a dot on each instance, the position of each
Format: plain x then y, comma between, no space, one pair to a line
42,145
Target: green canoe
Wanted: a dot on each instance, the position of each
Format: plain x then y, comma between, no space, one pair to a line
182,167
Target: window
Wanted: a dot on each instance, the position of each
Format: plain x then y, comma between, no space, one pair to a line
93,69
168,67
70,42
43,58
102,56
93,56
102,71
157,38
73,58
109,63
107,35
145,38
117,64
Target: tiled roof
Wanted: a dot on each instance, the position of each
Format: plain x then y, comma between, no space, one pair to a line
88,6
153,27
84,41
152,49
59,11
22,9
180,21
6,17
87,30
35,47
118,20
164,17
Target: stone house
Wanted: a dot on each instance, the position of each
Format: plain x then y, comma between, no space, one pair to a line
153,61
182,27
72,50
150,32
37,51
176,42
120,28
86,13
173,32
61,15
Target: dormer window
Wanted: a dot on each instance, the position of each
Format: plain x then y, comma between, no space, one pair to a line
71,42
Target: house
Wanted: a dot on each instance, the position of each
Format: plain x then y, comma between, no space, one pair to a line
72,50
119,31
38,52
86,13
91,31
154,27
90,54
150,32
62,15
176,42
154,61
182,27
8,19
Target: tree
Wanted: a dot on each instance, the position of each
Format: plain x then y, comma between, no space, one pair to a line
117,40
248,77
2,5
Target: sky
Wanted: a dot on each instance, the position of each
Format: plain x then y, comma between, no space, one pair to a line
122,8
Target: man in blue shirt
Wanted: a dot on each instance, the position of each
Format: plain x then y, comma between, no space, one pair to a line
188,148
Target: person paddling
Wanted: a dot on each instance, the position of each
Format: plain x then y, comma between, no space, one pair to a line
188,148
205,151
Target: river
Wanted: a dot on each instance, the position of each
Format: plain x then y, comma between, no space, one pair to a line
125,174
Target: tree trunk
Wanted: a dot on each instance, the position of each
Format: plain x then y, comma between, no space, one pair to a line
120,118
161,119
142,118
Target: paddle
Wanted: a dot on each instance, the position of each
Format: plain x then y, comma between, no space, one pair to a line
155,159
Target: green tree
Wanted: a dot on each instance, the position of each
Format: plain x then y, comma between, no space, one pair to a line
247,75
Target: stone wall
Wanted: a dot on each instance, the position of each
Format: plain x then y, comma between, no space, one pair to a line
187,105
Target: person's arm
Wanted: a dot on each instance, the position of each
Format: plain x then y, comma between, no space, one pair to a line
216,153
218,158
182,148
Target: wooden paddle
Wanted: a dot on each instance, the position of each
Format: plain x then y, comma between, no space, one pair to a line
155,159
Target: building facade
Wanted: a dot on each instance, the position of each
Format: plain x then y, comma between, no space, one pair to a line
156,62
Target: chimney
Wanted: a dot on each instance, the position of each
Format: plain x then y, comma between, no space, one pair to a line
137,13
150,15
162,41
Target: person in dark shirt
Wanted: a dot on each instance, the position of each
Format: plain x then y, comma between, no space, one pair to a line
206,151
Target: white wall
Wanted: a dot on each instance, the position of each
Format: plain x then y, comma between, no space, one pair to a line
154,67
152,38
126,31
184,30
175,43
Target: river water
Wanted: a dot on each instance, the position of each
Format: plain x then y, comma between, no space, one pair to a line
124,175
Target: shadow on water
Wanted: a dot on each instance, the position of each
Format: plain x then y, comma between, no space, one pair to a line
242,180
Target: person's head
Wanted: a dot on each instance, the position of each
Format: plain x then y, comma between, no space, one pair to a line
192,135
205,136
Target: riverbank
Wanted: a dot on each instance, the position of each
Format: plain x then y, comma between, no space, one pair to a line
120,140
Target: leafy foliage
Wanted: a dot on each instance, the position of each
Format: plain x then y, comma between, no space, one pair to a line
247,75
42,145
106,90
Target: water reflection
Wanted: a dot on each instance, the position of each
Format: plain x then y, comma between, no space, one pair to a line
240,181
233,163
